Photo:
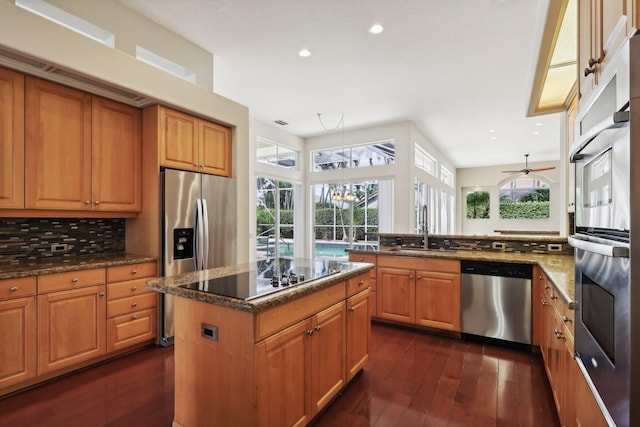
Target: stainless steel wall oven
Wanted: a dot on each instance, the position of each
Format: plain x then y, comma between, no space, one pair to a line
605,180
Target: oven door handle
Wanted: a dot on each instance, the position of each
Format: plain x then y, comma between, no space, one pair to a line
616,120
598,248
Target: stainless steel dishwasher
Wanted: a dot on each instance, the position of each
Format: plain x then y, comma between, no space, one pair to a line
496,301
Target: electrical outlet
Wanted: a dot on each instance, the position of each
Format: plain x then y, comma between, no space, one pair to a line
554,247
498,245
59,247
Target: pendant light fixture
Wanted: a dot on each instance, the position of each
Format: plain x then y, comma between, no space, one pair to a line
342,193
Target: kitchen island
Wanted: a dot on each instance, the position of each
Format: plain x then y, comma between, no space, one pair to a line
275,357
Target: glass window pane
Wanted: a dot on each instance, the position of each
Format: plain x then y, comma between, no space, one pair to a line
424,160
274,154
478,204
525,198
354,156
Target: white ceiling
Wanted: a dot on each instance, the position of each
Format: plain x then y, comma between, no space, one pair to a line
456,68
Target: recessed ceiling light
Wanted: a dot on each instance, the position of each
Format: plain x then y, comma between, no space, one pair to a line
493,138
305,53
536,133
492,130
376,29
539,124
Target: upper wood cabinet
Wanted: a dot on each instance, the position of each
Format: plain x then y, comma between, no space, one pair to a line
190,143
11,139
603,26
83,153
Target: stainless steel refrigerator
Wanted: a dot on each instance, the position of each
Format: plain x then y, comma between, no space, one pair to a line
198,229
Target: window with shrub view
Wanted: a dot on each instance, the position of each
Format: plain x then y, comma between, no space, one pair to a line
337,224
478,204
524,198
274,217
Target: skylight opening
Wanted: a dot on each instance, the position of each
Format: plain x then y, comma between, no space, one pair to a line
165,64
67,20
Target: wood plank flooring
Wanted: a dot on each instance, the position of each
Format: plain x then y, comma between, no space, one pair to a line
412,379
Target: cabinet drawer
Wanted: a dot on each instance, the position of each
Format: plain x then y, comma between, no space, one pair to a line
70,280
130,329
132,271
131,304
129,288
357,284
14,288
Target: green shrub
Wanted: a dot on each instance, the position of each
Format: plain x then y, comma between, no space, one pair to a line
528,210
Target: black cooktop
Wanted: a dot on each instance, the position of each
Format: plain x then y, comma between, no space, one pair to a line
269,276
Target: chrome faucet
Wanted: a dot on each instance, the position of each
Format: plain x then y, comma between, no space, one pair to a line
425,227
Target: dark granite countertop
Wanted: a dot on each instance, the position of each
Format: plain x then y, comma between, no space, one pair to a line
559,268
498,237
171,285
61,265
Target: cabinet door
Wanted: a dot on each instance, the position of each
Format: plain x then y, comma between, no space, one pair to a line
214,148
328,353
358,333
396,294
18,338
178,140
58,147
281,377
71,327
438,300
11,139
116,151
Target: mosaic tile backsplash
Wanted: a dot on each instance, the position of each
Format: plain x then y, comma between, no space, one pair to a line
30,239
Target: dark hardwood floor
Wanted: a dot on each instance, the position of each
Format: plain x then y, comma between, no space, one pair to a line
412,379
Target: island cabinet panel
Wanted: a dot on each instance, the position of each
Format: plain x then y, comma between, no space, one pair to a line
71,327
358,332
215,380
373,277
18,338
11,139
438,300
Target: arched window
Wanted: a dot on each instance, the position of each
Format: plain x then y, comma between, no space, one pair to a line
525,197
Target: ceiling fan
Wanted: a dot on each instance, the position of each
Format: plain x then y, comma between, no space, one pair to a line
527,169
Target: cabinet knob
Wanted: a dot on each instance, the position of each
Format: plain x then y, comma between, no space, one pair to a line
352,309
360,283
310,332
361,259
74,280
134,288
317,328
559,334
201,165
593,62
554,297
87,202
134,271
410,277
134,317
589,70
543,302
13,288
565,319
101,294
547,287
97,202
135,304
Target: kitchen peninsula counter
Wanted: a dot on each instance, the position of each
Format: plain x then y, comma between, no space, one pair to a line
559,268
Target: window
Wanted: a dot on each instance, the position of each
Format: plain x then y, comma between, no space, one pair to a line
446,213
524,198
354,156
339,224
424,160
67,20
478,204
165,64
274,217
273,154
446,176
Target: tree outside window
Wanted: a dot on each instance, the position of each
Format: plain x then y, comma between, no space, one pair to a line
478,204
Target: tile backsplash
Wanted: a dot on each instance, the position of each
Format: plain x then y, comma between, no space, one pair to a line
30,239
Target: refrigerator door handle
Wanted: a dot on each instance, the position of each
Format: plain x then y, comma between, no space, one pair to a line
199,244
205,235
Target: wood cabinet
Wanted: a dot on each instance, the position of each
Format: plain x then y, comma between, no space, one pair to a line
83,153
190,143
421,291
571,116
603,26
358,332
11,139
372,279
131,306
17,330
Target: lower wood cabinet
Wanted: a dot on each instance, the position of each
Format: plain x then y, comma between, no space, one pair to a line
71,327
358,332
17,330
438,300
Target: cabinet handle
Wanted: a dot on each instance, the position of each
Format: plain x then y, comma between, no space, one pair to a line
547,287
134,288
361,259
135,304
310,332
97,202
544,303
317,328
593,62
565,319
589,70
559,334
101,294
553,297
87,202
134,271
201,165
13,288
410,277
360,283
352,309
134,317
74,280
